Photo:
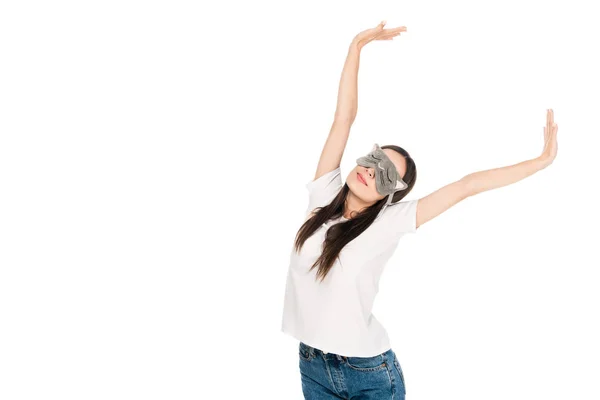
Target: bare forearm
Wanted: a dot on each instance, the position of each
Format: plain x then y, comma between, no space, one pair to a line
347,101
481,181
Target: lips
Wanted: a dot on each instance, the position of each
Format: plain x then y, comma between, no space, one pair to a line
361,178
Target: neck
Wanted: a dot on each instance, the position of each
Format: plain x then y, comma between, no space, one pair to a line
354,205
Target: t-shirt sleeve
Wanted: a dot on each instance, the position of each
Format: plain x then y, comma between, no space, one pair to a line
323,189
401,217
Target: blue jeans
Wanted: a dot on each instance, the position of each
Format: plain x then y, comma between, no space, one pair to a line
332,376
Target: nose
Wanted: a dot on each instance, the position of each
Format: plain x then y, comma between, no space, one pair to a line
370,171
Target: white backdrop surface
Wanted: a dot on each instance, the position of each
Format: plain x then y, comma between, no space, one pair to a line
153,158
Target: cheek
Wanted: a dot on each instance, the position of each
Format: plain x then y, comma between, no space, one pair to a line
374,193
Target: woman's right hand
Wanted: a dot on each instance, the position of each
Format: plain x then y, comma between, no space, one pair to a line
377,33
550,143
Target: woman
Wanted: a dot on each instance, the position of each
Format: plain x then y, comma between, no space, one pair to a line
351,231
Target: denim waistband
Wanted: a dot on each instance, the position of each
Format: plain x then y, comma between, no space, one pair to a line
329,356
314,351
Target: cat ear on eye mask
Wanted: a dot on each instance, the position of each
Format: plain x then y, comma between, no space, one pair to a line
401,185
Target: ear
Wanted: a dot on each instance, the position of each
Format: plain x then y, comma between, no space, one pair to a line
375,147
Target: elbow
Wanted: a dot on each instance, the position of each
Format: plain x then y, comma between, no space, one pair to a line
345,118
470,187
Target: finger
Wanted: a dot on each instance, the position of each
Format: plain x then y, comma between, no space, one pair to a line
395,30
385,37
387,34
392,32
376,30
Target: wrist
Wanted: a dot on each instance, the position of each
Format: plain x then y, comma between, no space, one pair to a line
355,46
542,162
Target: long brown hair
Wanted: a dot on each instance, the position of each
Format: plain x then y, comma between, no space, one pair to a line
342,233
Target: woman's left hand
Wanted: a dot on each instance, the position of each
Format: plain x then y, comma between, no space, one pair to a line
550,143
377,33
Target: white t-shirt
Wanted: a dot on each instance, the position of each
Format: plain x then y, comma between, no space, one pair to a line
335,315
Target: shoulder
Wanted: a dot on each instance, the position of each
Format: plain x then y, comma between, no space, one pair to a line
401,217
323,189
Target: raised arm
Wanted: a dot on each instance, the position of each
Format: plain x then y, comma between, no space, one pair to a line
345,113
347,101
439,201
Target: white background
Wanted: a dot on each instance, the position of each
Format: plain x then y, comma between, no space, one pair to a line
153,162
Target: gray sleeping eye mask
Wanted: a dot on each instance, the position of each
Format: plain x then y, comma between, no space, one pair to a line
387,179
